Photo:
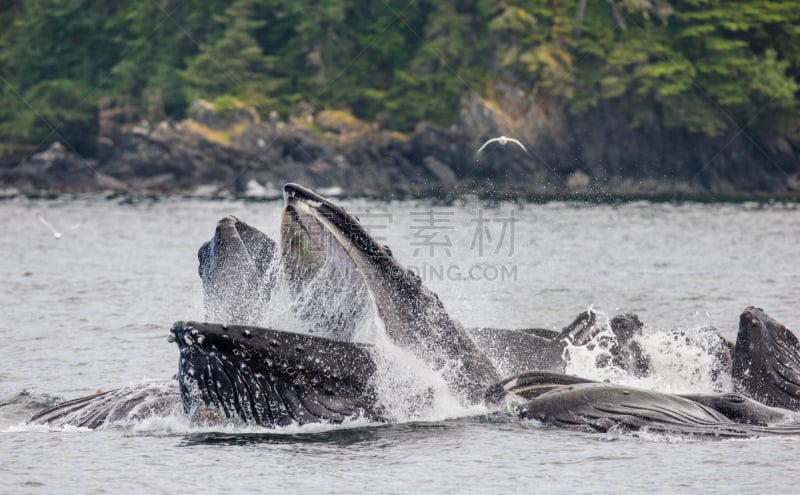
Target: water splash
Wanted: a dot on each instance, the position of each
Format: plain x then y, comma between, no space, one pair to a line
409,390
328,300
691,359
331,300
684,360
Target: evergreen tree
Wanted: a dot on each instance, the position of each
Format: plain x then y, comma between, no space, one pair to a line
707,66
232,64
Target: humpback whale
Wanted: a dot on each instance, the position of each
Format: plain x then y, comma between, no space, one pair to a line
331,291
240,372
234,266
132,403
314,228
766,360
413,316
604,407
273,378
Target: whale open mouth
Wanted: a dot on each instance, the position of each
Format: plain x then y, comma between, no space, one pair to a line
314,229
326,259
411,315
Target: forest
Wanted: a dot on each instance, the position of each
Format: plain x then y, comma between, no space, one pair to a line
708,67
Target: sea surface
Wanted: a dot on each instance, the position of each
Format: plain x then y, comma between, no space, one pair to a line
91,310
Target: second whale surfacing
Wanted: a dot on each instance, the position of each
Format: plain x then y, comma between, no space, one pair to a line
236,267
243,373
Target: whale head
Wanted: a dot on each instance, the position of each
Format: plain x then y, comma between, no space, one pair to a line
241,374
235,267
766,360
315,231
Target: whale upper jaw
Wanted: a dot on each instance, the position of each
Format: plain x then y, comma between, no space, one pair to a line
327,228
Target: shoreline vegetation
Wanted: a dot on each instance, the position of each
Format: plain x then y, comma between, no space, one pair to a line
614,99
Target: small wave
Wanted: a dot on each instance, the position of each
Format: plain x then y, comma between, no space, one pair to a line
23,404
39,428
649,435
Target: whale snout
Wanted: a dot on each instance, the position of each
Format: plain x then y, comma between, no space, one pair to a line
234,373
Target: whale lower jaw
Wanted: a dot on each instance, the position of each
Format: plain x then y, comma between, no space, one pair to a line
609,408
271,378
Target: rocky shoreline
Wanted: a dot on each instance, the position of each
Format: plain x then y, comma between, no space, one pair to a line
235,153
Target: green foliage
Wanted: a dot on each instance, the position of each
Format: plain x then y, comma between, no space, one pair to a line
701,65
60,109
233,63
707,65
534,41
226,105
54,55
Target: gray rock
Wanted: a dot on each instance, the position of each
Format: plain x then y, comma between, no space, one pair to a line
58,170
597,153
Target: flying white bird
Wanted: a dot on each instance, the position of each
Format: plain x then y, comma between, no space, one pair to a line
503,140
55,232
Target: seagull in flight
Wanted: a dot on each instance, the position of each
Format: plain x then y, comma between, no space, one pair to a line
55,232
503,140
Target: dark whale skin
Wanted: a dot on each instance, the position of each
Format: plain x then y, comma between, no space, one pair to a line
605,407
272,378
766,361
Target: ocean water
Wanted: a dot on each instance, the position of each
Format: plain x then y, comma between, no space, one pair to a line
91,310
